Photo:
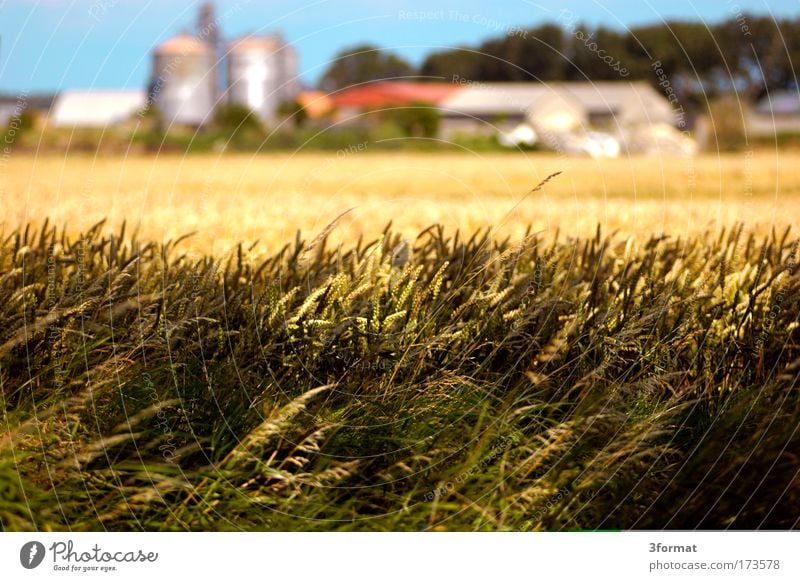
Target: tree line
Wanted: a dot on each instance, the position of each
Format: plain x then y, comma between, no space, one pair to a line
745,53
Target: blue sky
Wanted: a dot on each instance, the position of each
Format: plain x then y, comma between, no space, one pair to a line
57,44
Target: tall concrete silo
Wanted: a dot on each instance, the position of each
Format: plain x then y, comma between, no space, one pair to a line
290,83
260,71
184,81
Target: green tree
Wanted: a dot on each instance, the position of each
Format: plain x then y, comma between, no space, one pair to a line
17,127
363,64
237,126
294,112
536,54
232,118
728,132
526,55
599,54
415,120
452,65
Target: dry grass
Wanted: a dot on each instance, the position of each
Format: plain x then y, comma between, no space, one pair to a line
268,197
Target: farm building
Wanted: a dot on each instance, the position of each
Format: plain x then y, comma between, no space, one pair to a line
8,109
574,117
391,94
262,73
95,108
12,106
490,107
640,118
622,103
316,104
183,86
775,113
185,83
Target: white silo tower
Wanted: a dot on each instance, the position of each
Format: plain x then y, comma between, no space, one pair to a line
184,87
260,73
290,83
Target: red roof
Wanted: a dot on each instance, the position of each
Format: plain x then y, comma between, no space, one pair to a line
391,93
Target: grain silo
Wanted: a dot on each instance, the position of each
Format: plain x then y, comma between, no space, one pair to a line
261,74
290,82
184,82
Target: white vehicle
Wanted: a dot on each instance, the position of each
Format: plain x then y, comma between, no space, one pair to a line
521,135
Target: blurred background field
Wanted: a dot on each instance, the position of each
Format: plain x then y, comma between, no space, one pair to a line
268,197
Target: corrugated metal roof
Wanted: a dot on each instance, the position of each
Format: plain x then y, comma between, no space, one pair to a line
495,98
507,97
629,102
96,108
604,95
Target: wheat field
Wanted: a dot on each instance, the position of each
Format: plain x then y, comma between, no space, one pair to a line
268,197
468,385
348,379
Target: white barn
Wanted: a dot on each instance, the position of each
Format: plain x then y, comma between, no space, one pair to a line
96,108
487,107
622,103
596,118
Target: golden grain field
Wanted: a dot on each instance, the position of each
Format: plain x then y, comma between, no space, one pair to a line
268,197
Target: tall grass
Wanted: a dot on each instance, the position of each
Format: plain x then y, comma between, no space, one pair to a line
447,383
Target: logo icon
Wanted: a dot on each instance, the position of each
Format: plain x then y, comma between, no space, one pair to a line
31,554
